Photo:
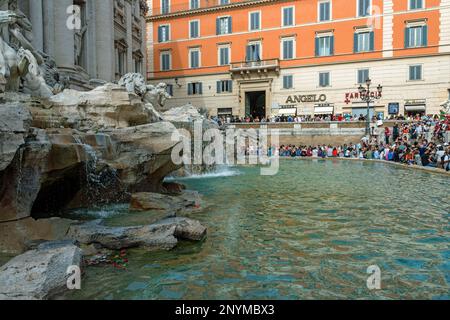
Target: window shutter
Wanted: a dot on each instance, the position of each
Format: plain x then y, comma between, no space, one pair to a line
331,45
372,41
407,31
425,36
317,46
230,29
159,34
230,85
355,42
419,73
218,26
200,88
219,87
189,88
249,53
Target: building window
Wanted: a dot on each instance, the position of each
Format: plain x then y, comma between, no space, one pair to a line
288,81
363,75
163,33
288,16
324,45
194,29
223,25
324,79
364,8
165,6
224,55
224,86
364,41
194,4
415,72
166,60
224,1
254,20
253,52
416,36
324,11
194,58
195,88
288,48
415,4
169,89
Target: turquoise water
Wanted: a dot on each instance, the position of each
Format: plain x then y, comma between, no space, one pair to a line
309,232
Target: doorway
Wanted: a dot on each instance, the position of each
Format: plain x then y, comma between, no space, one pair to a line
255,104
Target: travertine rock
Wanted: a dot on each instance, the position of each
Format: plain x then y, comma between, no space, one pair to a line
39,274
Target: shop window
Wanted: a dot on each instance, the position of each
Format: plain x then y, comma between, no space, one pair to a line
324,79
325,11
415,72
224,86
364,8
364,41
363,75
288,16
288,82
415,4
416,36
324,45
195,88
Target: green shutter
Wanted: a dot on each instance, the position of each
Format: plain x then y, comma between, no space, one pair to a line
219,87
230,85
355,42
217,26
317,46
230,28
407,37
425,36
372,41
332,45
200,88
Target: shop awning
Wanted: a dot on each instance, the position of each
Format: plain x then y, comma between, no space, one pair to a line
323,110
415,108
287,111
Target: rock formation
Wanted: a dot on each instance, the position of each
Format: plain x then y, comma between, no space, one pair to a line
62,149
39,274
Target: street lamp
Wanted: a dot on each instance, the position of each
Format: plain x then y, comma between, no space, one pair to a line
369,96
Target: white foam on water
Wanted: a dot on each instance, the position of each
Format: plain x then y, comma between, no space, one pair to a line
218,173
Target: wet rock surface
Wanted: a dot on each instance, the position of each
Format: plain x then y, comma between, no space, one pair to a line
40,273
163,235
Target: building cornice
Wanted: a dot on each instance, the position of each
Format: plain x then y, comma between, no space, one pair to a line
214,8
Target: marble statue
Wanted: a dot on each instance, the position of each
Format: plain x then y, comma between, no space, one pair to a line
79,36
22,63
33,80
157,95
154,95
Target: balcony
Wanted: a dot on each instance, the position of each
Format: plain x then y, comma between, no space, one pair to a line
255,67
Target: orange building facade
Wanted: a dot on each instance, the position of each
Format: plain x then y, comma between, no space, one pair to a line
267,57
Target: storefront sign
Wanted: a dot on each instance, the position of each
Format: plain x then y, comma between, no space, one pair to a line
349,96
307,98
414,102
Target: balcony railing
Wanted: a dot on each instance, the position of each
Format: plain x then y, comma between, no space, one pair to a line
260,65
186,6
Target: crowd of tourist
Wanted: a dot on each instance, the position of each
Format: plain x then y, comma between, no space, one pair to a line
415,143
316,118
